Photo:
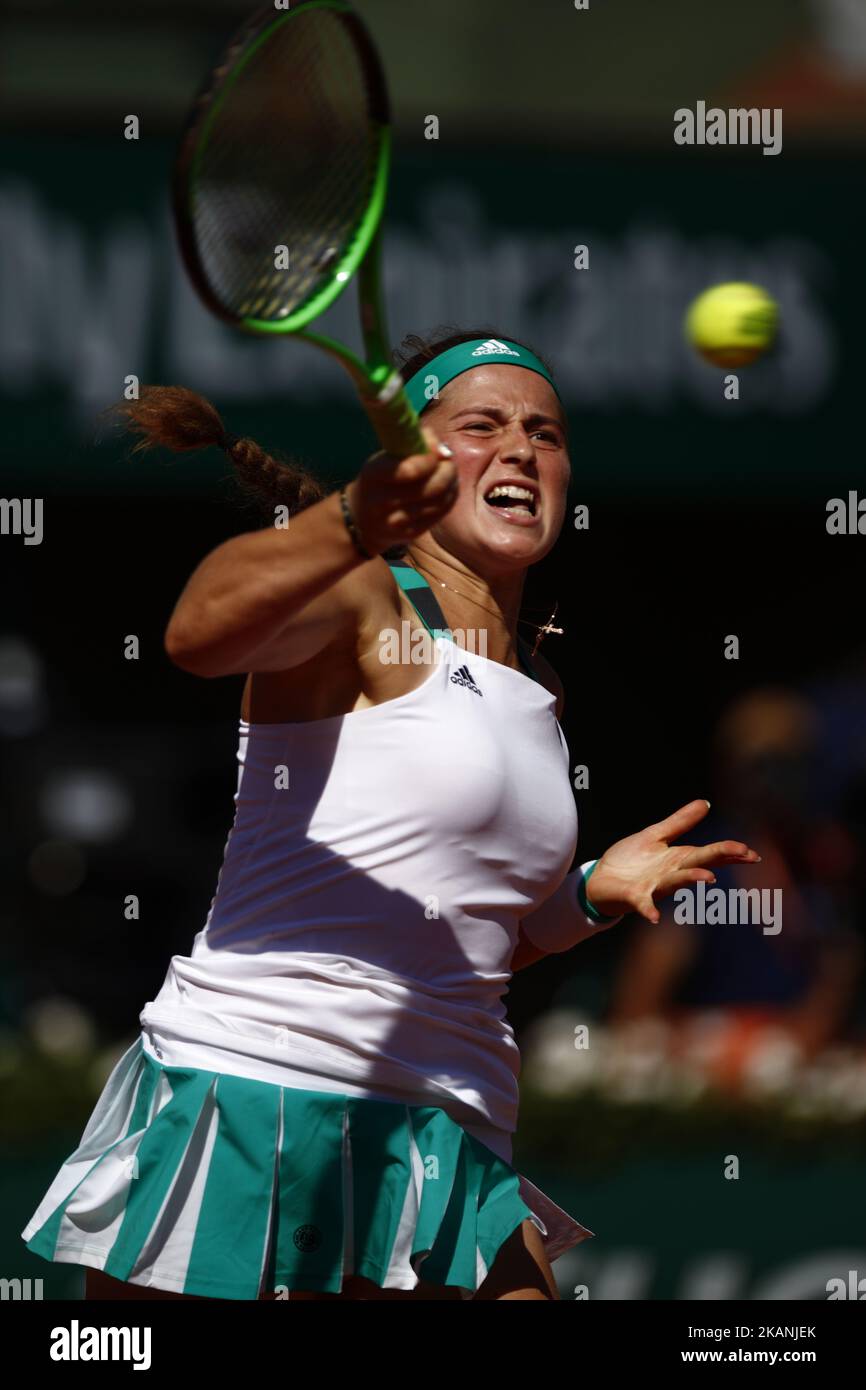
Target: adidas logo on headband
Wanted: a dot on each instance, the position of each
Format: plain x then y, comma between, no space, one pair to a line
493,345
445,366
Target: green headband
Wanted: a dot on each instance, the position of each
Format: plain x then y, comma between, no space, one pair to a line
478,352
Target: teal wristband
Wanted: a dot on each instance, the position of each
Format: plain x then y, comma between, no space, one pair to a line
585,905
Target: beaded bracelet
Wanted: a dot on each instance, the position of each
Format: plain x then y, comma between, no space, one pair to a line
350,524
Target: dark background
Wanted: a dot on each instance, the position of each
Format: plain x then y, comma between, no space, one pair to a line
707,518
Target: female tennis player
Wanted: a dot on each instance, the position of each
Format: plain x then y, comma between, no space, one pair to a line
322,1099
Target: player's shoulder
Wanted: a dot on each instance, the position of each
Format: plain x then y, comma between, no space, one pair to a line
550,680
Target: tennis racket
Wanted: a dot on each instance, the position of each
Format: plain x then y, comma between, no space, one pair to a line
279,186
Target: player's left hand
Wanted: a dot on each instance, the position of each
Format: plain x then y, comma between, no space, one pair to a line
633,871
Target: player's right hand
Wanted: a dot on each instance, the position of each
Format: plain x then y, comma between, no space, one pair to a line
393,501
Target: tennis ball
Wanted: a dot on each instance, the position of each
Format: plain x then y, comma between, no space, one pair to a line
731,325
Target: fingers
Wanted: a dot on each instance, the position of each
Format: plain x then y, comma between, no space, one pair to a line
682,820
680,878
413,516
418,475
647,908
434,442
425,489
398,499
730,851
686,876
722,852
687,864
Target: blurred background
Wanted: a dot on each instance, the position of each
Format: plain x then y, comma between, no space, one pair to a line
707,518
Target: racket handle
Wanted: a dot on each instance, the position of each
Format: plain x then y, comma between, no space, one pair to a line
394,419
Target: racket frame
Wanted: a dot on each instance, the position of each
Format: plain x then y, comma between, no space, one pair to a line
377,381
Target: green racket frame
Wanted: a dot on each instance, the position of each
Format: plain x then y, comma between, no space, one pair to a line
379,384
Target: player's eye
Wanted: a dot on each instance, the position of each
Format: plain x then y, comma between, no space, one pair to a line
548,434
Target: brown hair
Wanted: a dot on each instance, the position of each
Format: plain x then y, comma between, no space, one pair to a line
173,417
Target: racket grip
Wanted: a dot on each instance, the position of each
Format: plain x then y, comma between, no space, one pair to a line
393,417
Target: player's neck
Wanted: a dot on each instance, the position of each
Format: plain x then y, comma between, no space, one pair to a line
473,603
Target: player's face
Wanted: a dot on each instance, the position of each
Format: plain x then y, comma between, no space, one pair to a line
503,422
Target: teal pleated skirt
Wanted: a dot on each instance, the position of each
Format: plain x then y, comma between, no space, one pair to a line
204,1183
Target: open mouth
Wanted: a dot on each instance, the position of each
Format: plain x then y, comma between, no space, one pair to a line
512,498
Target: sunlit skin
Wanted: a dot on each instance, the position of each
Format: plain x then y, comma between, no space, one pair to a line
499,421
506,421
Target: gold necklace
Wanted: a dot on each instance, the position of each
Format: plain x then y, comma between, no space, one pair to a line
458,592
541,631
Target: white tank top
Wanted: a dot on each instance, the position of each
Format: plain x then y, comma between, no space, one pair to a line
367,908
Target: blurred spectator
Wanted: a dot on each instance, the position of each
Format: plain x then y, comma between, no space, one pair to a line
732,988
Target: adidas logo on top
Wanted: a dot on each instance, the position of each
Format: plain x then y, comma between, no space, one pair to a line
494,345
462,676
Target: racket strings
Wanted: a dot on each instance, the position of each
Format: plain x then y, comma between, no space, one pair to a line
288,159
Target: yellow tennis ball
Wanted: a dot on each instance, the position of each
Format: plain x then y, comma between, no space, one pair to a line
731,325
